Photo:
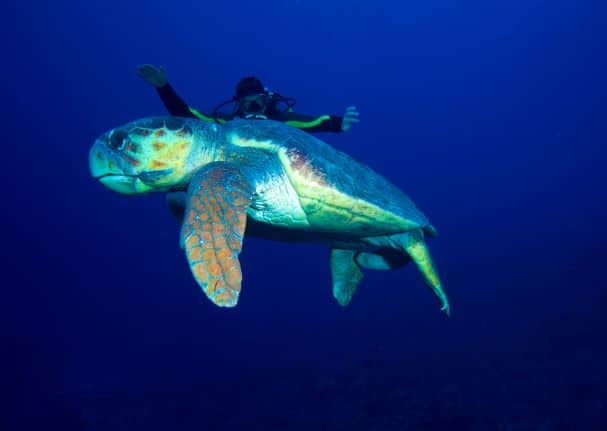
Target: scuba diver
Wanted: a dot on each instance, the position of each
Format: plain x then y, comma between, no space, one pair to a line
251,101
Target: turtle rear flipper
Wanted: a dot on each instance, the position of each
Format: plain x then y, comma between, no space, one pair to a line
430,230
213,229
413,244
346,269
382,259
346,275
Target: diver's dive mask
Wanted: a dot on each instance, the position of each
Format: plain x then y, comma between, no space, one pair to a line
257,106
253,104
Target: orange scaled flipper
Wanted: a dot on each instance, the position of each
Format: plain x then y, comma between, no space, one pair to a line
213,228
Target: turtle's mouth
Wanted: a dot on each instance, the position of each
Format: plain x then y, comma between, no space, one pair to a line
102,176
123,183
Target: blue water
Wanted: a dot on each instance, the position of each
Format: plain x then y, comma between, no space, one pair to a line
489,114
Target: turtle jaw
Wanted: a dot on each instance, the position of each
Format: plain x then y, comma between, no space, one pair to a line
124,184
110,171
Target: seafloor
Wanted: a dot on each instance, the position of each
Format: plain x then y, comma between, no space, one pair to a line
372,395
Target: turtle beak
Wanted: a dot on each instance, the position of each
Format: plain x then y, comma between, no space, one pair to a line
102,162
124,184
107,167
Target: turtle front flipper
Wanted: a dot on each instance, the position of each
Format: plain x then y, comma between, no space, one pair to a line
346,275
413,243
213,228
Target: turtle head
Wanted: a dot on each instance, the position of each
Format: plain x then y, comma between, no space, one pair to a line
144,156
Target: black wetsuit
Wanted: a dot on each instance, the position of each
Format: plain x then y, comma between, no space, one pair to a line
177,107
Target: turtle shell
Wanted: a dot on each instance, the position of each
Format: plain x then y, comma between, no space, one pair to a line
336,192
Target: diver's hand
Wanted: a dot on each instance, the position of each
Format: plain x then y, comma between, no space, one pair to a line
153,76
350,117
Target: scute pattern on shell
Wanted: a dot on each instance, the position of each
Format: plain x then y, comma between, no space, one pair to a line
329,171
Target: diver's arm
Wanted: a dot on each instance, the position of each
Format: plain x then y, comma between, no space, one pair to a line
173,102
177,106
322,123
158,78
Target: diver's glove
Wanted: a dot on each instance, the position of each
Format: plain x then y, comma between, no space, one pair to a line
350,117
152,75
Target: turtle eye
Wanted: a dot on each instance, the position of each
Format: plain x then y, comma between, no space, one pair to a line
117,139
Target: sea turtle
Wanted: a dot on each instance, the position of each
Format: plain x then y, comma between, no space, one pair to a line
279,182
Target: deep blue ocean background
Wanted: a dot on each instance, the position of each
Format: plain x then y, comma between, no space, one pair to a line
489,114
